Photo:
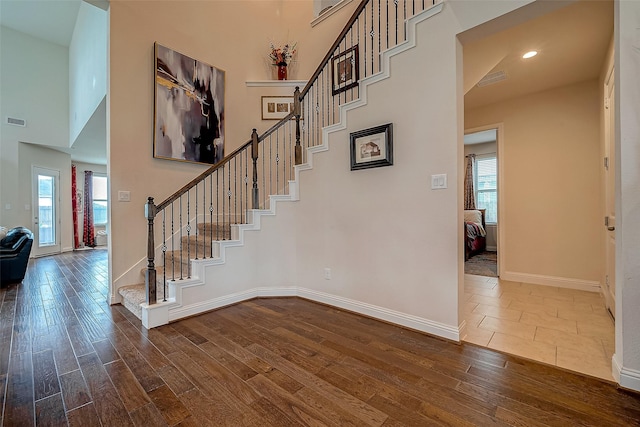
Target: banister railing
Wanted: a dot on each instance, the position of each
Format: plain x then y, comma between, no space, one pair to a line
204,210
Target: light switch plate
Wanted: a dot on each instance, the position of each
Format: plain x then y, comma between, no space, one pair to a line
124,196
438,182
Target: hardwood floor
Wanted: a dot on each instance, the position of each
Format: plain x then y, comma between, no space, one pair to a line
66,357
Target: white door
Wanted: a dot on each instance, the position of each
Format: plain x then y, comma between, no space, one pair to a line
610,185
46,212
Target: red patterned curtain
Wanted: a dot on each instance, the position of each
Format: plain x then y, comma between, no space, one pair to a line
74,207
469,195
88,235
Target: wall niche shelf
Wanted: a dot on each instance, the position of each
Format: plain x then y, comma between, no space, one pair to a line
276,83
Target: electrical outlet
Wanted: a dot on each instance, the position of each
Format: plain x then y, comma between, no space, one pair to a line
327,273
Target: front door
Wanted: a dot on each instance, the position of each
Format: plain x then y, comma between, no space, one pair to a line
46,213
610,185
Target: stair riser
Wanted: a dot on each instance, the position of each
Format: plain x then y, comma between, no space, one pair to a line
201,249
218,232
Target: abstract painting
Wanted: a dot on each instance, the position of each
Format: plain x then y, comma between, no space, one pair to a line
189,109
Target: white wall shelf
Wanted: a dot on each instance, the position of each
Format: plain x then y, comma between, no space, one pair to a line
276,83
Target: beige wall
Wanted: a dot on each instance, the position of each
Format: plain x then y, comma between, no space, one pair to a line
231,35
551,193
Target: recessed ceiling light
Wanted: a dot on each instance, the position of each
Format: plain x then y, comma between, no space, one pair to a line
530,54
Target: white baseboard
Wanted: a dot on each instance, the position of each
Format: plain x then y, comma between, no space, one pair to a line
462,328
560,282
491,248
407,320
627,378
212,304
413,322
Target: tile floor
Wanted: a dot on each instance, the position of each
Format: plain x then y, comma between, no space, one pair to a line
567,328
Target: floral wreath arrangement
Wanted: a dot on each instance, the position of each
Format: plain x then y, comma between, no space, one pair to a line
282,55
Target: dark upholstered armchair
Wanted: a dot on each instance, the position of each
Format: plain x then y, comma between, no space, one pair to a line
15,248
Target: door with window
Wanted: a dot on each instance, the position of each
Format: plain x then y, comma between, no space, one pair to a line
46,211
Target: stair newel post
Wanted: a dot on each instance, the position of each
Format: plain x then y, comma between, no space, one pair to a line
254,157
297,111
150,276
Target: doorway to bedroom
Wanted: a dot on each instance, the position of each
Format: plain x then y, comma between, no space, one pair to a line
481,202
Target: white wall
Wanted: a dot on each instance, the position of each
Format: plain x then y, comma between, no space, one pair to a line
389,240
35,86
551,184
627,69
87,67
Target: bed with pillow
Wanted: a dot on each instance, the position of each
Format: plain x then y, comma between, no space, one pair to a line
475,235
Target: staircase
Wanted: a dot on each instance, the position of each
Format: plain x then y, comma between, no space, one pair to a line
198,224
178,264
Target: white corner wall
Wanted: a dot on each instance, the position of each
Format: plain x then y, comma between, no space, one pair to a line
35,86
87,67
627,68
389,240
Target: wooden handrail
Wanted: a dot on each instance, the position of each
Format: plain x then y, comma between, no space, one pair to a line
276,126
300,132
333,47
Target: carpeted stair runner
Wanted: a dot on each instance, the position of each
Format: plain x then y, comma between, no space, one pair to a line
177,263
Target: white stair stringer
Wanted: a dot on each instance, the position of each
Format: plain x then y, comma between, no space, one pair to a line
173,308
176,308
384,73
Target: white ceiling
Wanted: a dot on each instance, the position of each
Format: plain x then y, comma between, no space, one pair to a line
572,43
51,20
480,137
54,21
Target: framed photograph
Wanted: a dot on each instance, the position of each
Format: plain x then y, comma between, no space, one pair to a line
372,148
276,107
188,109
345,70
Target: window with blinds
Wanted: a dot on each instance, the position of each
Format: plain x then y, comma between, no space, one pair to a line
486,186
100,199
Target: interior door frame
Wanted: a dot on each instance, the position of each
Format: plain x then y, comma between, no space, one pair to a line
609,183
37,250
499,128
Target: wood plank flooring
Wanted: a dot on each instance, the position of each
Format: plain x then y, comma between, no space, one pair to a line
67,358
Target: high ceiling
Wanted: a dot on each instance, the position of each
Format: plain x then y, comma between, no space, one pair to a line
54,21
51,20
572,43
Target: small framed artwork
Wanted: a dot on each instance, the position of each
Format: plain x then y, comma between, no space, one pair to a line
372,148
276,107
345,70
